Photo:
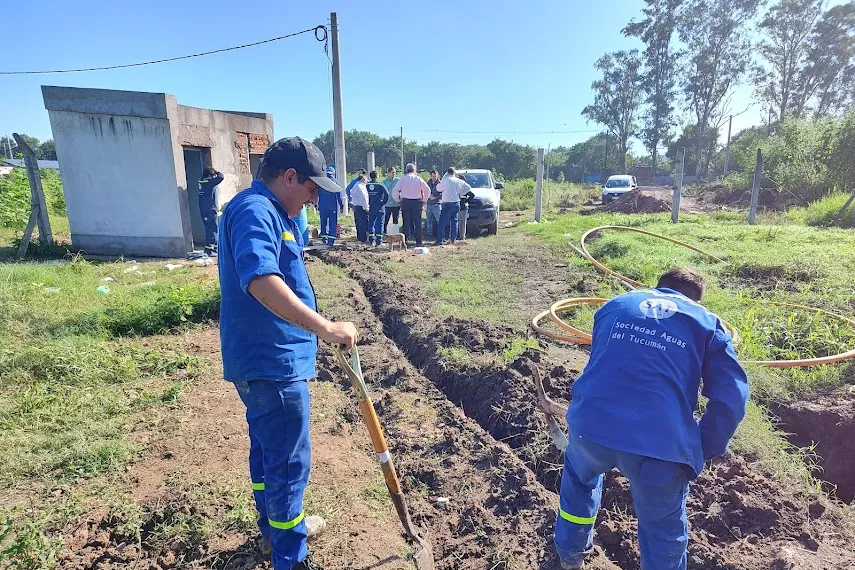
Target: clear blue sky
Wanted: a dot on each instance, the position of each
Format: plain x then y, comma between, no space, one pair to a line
468,65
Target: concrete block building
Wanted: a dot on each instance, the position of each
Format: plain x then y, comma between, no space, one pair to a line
130,164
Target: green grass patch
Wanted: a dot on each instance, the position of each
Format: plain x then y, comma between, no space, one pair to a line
519,195
825,212
517,348
783,263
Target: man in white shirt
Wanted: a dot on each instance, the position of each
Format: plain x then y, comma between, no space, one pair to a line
452,189
359,201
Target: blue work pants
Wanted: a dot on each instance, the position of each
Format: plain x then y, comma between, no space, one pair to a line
659,490
329,225
279,460
375,226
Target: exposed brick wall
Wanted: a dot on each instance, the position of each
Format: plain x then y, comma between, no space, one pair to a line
258,143
243,152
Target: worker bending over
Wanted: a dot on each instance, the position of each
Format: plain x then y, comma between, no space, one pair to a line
633,408
269,329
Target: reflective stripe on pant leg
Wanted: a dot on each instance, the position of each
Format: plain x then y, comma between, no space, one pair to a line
581,490
278,415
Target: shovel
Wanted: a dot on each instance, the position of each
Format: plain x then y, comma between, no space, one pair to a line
423,557
550,409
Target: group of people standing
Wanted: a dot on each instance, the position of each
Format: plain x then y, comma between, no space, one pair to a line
377,202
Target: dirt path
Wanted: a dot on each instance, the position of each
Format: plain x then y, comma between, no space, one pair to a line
688,204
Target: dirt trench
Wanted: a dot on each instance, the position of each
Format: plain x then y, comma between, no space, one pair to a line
740,518
828,423
497,514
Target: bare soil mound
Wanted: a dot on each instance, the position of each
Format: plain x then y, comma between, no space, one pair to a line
637,202
828,422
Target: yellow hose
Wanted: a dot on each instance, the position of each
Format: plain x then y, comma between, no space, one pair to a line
578,336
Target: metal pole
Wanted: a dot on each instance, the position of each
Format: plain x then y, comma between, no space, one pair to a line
755,187
727,147
370,161
338,122
678,185
402,151
538,200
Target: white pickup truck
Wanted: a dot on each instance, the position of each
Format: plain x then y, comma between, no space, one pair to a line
484,208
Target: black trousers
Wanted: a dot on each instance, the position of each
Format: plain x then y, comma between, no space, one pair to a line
360,219
394,213
411,211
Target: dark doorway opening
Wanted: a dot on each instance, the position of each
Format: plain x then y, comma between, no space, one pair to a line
254,161
195,159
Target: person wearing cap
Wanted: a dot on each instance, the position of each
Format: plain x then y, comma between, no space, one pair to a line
208,206
329,205
393,208
377,198
269,330
411,192
359,201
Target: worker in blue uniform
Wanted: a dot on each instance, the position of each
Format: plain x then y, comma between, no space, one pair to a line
329,206
208,206
377,197
269,329
633,408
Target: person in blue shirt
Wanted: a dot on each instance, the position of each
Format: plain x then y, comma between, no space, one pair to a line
329,205
269,329
633,408
208,206
377,197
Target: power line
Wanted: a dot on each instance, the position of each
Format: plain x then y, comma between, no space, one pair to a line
321,37
502,132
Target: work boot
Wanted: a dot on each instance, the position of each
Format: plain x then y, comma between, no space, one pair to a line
315,527
571,565
265,548
306,564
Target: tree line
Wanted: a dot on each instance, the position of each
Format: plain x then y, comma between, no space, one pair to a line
508,159
44,150
798,55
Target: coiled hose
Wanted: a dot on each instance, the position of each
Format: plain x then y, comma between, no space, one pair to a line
577,336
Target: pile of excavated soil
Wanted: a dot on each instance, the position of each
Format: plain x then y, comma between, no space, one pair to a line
740,517
636,202
828,423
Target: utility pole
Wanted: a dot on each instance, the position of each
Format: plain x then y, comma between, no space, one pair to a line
727,147
538,200
678,185
402,150
370,161
338,122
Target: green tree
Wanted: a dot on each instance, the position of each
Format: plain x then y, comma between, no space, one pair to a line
825,84
718,50
784,46
47,150
656,30
617,97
